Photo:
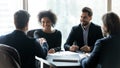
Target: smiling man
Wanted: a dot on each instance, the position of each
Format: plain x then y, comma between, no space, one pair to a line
83,36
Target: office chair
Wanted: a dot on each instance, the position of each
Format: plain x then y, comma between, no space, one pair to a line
44,63
9,57
30,33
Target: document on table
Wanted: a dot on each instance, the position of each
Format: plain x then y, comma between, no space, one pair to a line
66,56
69,58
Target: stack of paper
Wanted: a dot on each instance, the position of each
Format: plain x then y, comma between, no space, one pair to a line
65,56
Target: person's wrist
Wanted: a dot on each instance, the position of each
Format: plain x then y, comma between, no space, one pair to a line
70,48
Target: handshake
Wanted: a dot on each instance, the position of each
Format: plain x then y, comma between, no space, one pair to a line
41,40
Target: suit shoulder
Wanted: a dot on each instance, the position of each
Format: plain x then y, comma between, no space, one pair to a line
5,36
96,25
76,27
2,37
102,41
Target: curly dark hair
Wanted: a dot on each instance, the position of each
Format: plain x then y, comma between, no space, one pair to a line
48,14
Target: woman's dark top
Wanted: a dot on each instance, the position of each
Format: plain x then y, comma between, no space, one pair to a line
53,39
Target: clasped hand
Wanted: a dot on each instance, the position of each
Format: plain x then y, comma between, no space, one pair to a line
74,48
85,49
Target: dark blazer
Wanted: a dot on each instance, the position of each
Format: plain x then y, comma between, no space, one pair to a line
76,35
106,54
27,48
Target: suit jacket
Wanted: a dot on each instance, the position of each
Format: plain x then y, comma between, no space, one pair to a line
76,35
106,54
27,48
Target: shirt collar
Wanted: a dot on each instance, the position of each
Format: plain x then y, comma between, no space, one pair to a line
86,27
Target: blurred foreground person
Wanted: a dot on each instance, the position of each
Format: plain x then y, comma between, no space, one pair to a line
106,53
27,48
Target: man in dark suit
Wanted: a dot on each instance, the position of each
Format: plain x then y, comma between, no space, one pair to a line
27,48
106,53
83,36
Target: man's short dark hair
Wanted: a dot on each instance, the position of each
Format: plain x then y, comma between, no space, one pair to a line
21,19
88,10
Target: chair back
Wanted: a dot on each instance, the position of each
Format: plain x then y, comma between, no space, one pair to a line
30,33
9,57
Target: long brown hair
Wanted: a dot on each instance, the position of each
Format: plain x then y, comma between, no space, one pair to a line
112,23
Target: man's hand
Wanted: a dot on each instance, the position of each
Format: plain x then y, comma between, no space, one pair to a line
74,48
85,48
42,40
51,51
